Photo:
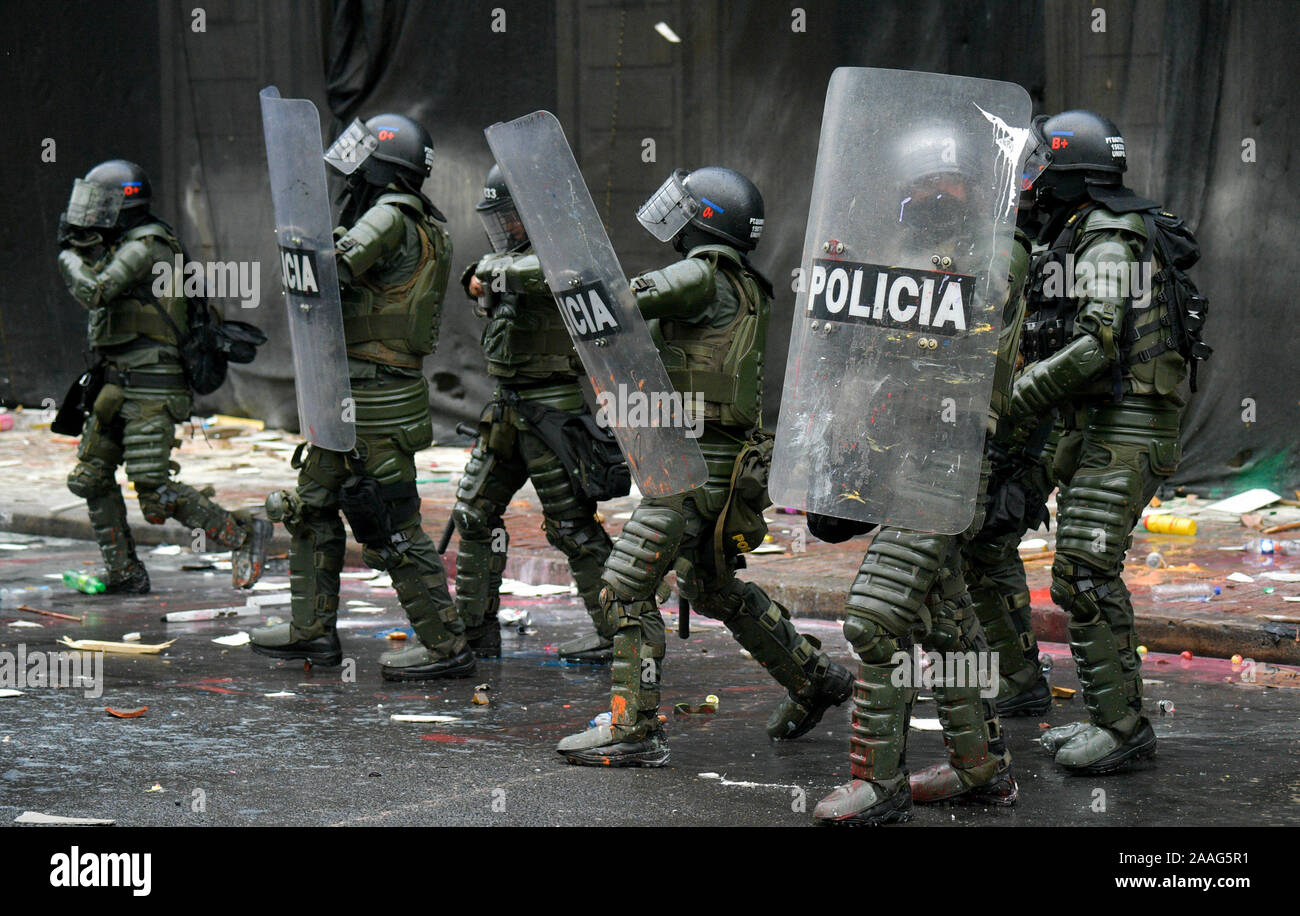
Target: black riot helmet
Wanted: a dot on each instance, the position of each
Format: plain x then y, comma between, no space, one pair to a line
705,205
114,194
387,149
505,230
938,177
1087,149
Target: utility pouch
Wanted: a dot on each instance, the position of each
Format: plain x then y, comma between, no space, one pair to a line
741,527
362,502
78,402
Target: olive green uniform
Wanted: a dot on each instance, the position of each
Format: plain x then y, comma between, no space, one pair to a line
911,590
531,356
393,270
709,317
1120,421
133,421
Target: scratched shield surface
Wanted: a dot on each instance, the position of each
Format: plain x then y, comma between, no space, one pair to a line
592,292
304,233
896,319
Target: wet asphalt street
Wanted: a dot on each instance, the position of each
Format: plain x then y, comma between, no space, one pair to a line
218,746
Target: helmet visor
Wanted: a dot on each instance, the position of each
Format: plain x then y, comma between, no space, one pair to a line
352,148
94,205
505,230
1038,155
668,209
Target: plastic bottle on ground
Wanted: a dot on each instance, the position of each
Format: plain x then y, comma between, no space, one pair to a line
1184,591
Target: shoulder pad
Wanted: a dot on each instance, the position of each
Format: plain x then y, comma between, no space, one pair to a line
723,252
1104,220
399,199
150,231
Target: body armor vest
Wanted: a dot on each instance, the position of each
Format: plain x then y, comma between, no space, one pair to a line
392,313
525,340
724,364
1145,353
130,317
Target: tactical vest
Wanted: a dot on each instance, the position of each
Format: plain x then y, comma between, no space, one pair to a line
130,317
1144,358
724,364
1013,316
391,314
525,338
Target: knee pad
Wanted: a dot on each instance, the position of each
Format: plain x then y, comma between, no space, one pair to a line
1078,589
157,504
643,551
472,523
575,537
90,478
897,573
872,642
724,603
1096,518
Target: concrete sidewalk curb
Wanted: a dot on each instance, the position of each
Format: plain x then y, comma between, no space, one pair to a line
1278,642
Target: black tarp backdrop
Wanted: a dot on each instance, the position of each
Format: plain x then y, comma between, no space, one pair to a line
1187,82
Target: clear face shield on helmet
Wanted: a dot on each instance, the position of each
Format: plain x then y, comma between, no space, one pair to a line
94,206
352,148
505,230
668,209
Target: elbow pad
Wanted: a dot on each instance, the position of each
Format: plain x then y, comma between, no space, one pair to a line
1050,381
678,290
520,274
378,232
79,278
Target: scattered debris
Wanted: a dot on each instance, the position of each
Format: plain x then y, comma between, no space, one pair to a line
166,550
524,590
124,648
156,787
1248,501
212,613
401,717
707,708
481,694
126,713
24,624
1240,577
7,692
280,693
131,637
926,725
1063,693
36,817
234,639
55,614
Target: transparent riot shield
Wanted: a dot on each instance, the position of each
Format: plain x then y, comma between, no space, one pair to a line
304,233
597,304
903,278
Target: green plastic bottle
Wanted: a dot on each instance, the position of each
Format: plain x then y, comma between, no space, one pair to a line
83,582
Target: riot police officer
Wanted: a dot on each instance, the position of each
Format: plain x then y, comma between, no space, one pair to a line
393,260
709,314
523,436
911,587
109,244
1109,349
